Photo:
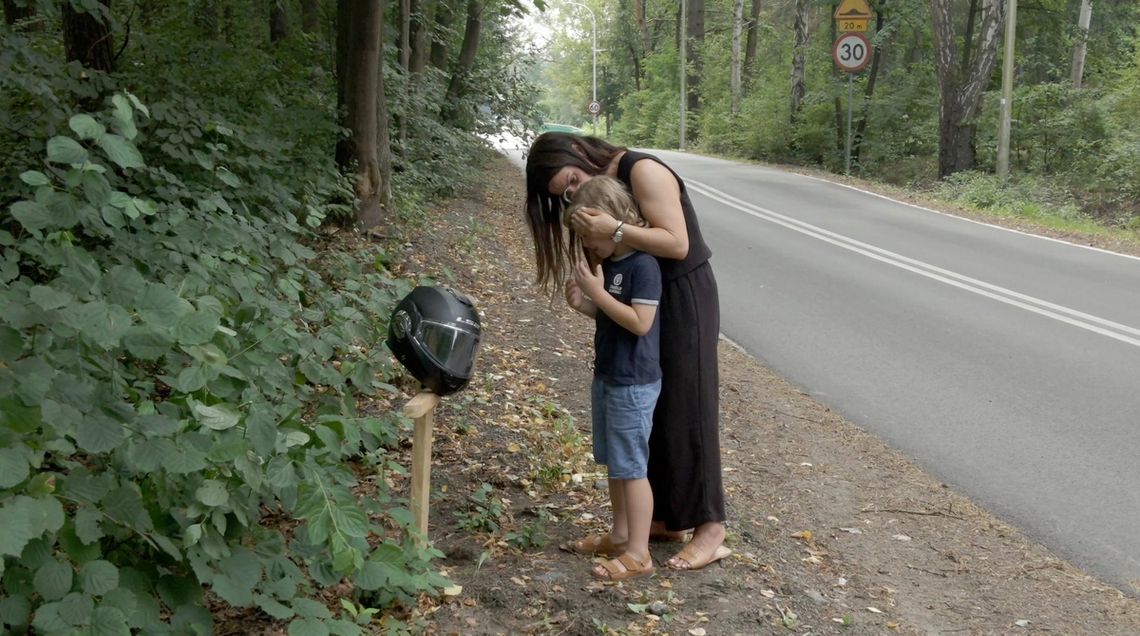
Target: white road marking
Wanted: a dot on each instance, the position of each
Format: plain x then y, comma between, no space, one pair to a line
1088,322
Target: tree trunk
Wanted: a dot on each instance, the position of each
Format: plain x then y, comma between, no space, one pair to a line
206,18
642,26
695,45
420,36
383,140
278,22
799,58
750,45
87,36
359,42
962,85
457,87
310,16
734,80
1080,46
439,44
14,13
872,76
405,35
968,39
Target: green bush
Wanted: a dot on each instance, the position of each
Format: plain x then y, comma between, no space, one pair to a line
1027,196
178,370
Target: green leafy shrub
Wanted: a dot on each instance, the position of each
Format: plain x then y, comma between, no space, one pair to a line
485,511
1031,197
179,372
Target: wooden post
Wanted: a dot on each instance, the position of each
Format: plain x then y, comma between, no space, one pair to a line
421,408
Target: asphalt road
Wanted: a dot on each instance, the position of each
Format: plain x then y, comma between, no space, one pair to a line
1006,364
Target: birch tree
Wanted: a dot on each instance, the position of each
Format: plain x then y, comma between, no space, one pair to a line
1080,46
963,74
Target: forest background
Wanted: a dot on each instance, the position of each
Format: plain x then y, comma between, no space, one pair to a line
187,348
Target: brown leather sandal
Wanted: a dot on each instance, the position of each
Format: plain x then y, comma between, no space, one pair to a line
624,567
594,544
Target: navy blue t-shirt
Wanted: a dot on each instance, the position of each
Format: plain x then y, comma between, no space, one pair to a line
620,357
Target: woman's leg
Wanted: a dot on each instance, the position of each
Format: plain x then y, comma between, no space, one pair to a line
689,449
658,532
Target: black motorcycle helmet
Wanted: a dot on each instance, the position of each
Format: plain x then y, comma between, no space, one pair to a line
434,332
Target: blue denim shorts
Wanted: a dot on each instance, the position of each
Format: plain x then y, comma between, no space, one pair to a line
623,418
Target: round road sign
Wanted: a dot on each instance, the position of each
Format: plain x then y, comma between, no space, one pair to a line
594,108
851,52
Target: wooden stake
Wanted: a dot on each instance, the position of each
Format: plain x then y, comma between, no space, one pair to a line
422,409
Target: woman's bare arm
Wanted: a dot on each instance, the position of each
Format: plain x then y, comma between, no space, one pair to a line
658,195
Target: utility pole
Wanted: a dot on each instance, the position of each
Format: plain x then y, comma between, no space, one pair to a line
683,41
1006,89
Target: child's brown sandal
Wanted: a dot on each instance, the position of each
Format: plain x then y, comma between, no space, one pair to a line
594,544
624,567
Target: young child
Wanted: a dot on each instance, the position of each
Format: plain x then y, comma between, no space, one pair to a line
621,294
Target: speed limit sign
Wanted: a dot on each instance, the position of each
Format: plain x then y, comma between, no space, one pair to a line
595,107
851,52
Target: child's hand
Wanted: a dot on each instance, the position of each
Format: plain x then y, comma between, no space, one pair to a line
589,281
574,296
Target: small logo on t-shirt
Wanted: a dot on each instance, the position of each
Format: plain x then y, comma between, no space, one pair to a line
615,286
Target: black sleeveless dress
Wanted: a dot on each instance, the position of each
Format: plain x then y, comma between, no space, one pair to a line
684,447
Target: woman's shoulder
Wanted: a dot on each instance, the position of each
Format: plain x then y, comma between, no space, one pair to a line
644,166
632,157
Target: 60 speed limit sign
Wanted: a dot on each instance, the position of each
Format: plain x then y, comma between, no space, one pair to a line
851,52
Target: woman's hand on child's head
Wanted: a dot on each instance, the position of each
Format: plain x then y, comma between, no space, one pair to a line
592,222
589,280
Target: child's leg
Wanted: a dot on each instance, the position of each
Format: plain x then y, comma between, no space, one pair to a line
627,441
619,531
638,500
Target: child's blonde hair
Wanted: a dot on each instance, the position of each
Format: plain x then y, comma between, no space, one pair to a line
606,194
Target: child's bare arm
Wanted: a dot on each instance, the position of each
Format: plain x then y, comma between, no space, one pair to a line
637,319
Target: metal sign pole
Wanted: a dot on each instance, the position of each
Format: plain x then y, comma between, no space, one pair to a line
850,93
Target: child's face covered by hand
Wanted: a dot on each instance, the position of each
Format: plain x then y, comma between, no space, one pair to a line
600,247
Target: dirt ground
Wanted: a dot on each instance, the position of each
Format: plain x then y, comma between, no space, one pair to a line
833,532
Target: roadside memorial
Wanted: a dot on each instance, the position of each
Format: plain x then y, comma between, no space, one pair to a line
435,333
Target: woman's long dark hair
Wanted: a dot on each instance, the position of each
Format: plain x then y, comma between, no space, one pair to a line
550,153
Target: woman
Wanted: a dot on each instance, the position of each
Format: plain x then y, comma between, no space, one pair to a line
684,447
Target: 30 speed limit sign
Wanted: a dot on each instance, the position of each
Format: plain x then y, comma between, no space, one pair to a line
851,52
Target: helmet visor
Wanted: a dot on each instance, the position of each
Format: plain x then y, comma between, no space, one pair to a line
452,346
